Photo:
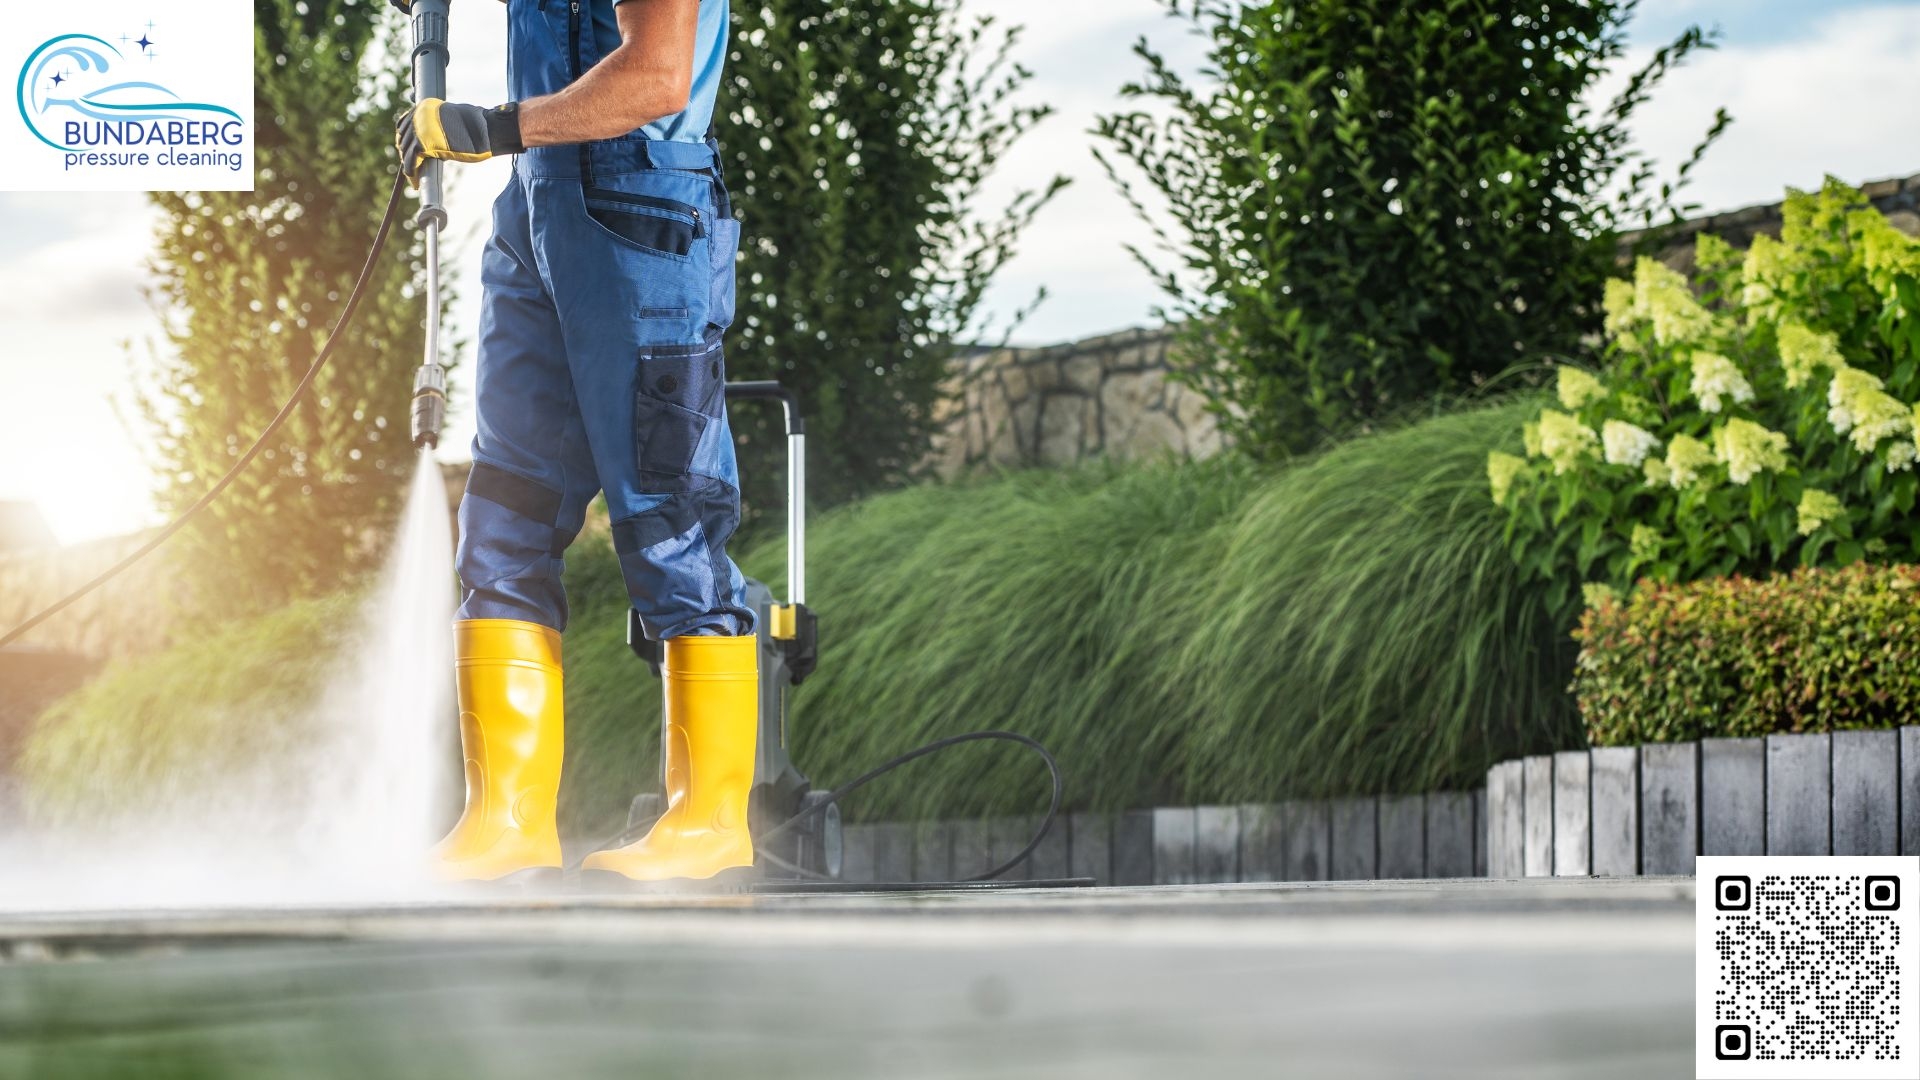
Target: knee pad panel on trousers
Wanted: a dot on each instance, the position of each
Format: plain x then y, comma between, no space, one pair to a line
679,394
513,491
675,562
509,557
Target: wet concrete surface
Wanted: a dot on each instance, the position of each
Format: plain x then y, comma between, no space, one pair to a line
1505,979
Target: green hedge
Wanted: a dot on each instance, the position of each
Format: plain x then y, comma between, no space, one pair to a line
1815,650
1176,632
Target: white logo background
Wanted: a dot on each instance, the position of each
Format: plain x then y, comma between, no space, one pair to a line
177,69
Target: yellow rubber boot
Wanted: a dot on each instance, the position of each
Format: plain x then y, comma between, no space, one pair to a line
508,677
713,704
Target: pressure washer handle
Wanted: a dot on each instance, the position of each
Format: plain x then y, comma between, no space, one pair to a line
768,390
430,57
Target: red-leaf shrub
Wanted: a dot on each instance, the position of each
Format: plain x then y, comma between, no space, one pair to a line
1814,650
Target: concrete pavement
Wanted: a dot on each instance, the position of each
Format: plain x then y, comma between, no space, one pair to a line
1456,978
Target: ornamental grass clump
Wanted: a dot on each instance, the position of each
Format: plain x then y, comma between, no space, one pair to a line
1813,650
1757,417
1176,632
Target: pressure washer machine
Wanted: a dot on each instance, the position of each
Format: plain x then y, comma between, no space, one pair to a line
798,840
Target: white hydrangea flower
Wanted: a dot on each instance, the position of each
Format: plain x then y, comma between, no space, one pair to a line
1765,264
1626,444
1747,449
1618,302
1577,388
1804,352
1716,377
1859,404
1645,542
1887,252
1687,459
1501,470
1816,509
1901,455
1663,297
1566,441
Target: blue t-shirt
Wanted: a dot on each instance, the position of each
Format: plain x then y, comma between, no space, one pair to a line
709,58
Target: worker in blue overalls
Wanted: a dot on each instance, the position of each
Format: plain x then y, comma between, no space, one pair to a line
605,287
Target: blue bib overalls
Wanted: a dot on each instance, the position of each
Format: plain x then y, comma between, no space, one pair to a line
606,285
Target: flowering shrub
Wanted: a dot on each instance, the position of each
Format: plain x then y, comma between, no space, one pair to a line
1755,418
1814,650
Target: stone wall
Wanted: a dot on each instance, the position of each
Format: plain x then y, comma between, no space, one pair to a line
1105,396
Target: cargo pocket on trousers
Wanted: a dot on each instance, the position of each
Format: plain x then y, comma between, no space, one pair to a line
660,227
681,392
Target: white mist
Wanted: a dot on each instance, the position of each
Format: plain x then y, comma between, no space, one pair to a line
341,807
390,708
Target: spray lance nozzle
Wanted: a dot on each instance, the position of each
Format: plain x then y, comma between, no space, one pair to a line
429,405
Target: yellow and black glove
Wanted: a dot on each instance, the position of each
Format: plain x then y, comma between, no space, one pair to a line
435,129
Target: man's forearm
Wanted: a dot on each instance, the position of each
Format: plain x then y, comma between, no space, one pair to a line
648,77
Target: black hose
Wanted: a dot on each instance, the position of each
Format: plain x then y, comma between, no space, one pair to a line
833,797
286,411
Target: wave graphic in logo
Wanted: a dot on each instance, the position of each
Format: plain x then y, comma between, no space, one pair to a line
37,92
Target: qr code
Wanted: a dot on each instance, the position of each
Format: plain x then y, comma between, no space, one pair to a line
1804,967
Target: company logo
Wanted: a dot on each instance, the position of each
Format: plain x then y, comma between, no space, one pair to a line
144,95
125,120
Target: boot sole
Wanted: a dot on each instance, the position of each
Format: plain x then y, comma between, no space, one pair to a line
731,881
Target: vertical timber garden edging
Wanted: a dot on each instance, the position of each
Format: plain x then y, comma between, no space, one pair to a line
1650,809
1614,811
1440,835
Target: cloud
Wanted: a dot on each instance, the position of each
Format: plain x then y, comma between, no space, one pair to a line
1080,54
1829,102
73,257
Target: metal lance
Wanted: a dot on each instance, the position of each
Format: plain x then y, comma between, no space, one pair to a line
430,81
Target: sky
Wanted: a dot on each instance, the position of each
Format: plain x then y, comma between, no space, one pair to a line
1814,87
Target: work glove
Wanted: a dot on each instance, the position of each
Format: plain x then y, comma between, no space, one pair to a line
435,129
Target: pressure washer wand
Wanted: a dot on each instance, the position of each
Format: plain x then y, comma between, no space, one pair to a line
430,81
